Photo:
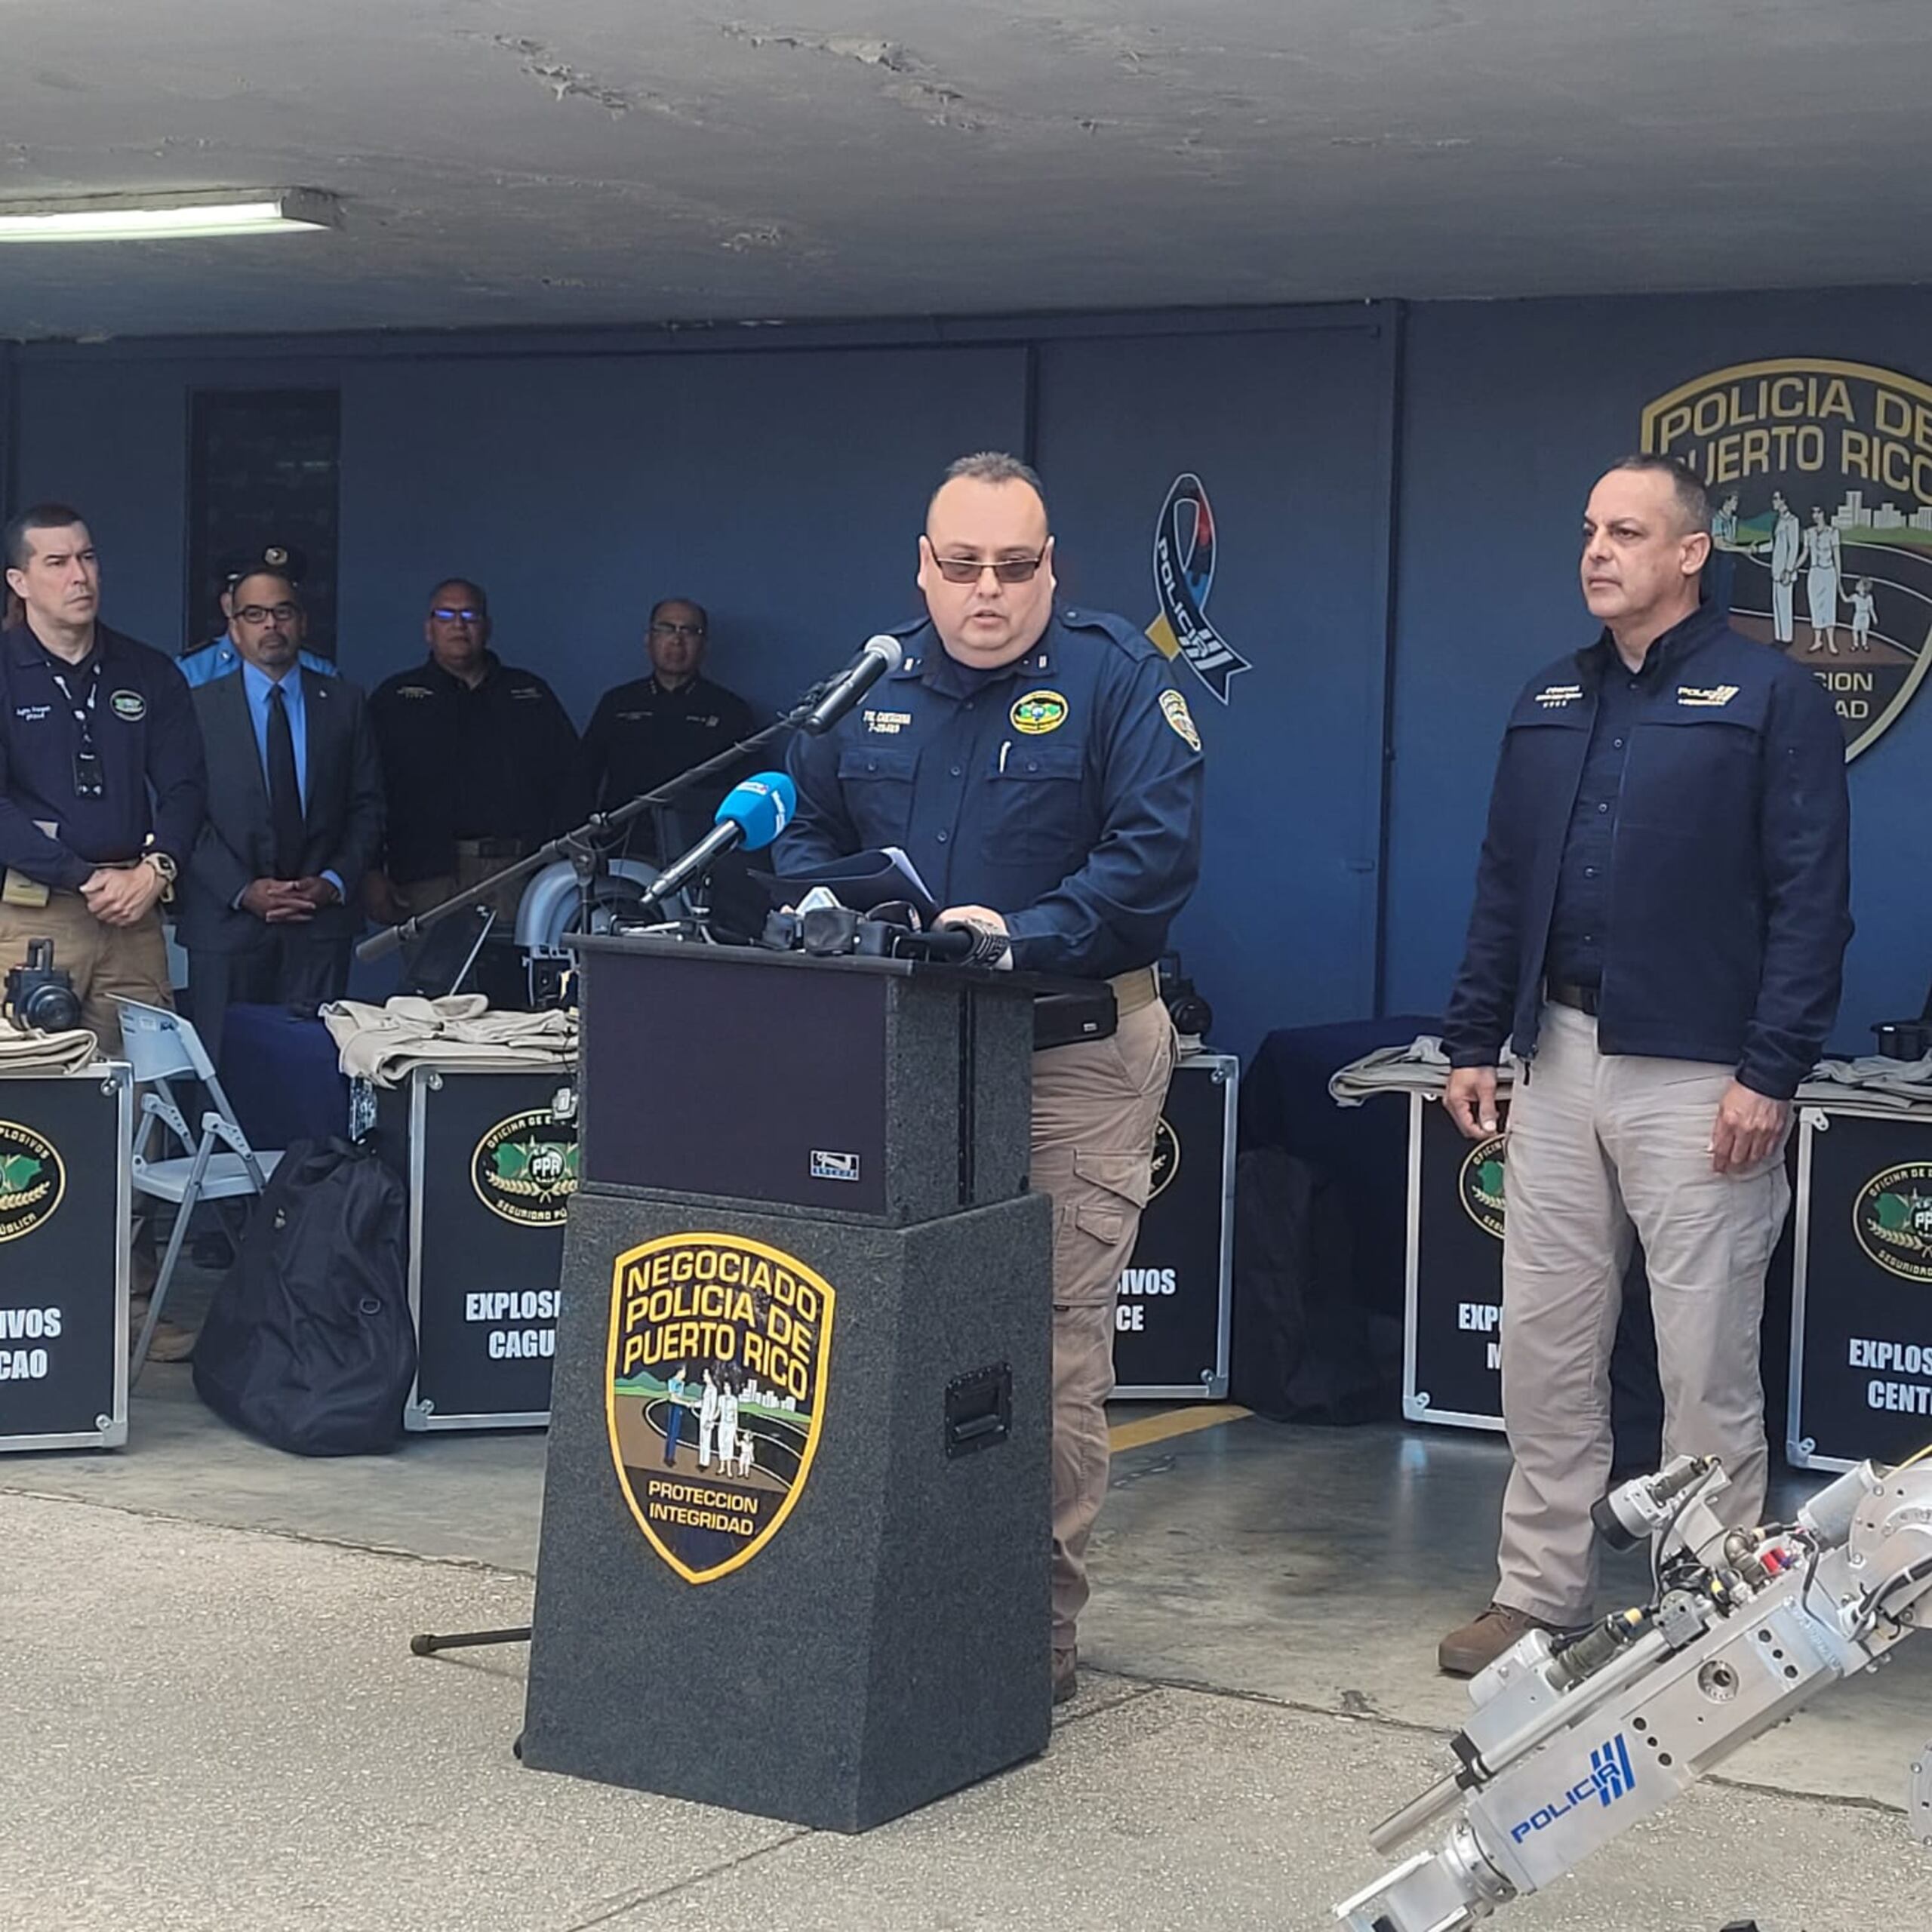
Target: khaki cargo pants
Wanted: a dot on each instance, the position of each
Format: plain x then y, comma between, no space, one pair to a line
103,960
1600,1146
1096,1105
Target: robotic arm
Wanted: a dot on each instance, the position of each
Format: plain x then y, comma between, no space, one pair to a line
1574,1741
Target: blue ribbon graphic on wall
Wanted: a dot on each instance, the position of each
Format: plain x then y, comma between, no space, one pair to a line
1184,575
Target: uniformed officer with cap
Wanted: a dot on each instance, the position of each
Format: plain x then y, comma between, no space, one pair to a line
648,730
1045,776
221,655
102,787
480,764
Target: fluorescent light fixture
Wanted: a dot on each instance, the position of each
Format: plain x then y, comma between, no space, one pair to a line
169,217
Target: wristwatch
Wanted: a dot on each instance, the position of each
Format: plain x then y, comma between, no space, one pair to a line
166,867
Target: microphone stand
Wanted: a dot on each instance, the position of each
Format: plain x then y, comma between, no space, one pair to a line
584,845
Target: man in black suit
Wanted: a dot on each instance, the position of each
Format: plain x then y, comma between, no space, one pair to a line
269,899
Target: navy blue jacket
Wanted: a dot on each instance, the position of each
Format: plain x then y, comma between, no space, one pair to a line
154,785
1730,877
1063,790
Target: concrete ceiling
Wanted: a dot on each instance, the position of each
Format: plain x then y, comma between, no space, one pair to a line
509,162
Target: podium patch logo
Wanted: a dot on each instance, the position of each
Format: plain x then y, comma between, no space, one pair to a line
525,1168
715,1393
1891,1215
1167,1157
33,1180
1820,474
1480,1185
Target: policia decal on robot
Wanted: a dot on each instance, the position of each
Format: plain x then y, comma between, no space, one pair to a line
1045,776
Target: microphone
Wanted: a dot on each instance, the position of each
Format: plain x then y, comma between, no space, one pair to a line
880,655
958,943
753,814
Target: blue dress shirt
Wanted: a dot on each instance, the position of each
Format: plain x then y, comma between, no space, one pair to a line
257,683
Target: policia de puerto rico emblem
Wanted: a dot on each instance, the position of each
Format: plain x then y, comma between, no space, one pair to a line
33,1178
525,1168
1479,1187
715,1393
1891,1215
1819,475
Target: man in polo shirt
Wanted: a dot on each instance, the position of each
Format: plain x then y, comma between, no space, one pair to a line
102,786
480,764
649,730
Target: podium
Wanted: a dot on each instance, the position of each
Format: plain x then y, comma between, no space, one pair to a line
796,1518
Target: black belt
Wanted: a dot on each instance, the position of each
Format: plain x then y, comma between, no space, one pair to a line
1581,999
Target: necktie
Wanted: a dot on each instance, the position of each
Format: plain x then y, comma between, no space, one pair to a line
285,790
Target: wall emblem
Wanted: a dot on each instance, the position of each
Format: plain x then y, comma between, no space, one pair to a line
1820,480
1479,1187
1891,1215
715,1393
1184,575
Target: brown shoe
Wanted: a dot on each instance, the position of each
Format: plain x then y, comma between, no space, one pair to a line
170,1342
1066,1678
1478,1644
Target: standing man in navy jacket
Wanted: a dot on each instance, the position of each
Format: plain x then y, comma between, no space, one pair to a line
1661,916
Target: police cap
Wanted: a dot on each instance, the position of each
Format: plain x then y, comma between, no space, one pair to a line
283,559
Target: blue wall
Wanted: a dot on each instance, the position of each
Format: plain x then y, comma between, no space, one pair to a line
779,479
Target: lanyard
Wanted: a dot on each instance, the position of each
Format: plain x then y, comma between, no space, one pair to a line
83,711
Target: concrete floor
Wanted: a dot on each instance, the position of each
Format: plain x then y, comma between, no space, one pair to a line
209,1716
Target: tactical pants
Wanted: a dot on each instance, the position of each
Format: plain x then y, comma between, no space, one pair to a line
1600,1146
103,961
1096,1105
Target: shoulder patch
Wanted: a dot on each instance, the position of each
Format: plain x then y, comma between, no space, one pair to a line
1035,712
1174,709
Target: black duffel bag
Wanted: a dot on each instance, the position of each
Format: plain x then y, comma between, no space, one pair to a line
1305,1348
308,1342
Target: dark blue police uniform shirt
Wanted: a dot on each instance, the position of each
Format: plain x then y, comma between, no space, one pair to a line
1582,912
153,780
1063,790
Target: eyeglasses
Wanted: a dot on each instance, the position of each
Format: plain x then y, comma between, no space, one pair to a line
260,613
444,615
969,570
661,629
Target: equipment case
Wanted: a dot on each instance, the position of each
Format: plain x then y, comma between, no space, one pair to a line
1861,1305
64,1157
1170,1335
489,1161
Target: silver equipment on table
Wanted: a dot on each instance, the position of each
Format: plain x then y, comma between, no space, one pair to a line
1573,1741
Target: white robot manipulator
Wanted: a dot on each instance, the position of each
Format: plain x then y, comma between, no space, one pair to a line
1572,1742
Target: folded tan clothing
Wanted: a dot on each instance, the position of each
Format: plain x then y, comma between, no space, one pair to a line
461,1033
25,1055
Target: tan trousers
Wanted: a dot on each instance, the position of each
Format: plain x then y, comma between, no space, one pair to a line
1601,1145
130,960
1096,1105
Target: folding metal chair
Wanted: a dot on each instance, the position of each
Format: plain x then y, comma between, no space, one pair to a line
162,1047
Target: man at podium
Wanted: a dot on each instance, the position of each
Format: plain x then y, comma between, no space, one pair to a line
1045,776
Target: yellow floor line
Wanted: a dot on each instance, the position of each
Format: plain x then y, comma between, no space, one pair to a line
1171,1422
